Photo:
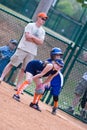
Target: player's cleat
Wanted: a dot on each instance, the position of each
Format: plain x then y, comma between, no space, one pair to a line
22,93
15,89
0,80
70,110
35,106
54,110
16,97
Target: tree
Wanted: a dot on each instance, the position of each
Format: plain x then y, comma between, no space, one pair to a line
43,6
70,7
83,2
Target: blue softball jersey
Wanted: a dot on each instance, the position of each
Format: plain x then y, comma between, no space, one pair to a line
36,66
56,83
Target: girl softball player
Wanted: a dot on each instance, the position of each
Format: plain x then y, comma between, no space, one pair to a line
35,70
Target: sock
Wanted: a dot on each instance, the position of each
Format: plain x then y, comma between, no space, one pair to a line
22,86
55,104
35,98
39,97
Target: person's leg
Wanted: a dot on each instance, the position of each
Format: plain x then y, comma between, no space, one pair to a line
75,100
21,74
34,103
86,106
37,95
83,112
6,71
79,90
25,83
15,60
83,106
86,109
38,83
36,98
55,105
74,103
20,78
23,86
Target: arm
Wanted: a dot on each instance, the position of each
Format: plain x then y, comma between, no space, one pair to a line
31,38
28,37
46,69
49,78
37,40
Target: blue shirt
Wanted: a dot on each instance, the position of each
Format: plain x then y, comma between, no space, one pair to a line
36,66
56,83
6,55
6,52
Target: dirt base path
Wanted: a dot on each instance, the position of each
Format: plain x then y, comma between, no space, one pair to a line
19,116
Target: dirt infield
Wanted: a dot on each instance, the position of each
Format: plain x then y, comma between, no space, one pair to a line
19,116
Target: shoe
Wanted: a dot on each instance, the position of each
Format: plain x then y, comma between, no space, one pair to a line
15,89
70,110
0,80
86,116
35,106
22,93
54,110
83,114
16,97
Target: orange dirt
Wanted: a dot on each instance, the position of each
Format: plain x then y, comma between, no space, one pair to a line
19,116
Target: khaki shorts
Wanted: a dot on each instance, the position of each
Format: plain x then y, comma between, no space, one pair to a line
21,56
81,87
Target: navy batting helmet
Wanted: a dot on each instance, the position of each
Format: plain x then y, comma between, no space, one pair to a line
56,51
60,62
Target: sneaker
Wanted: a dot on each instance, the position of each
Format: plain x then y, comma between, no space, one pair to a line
16,97
54,111
17,90
0,80
86,115
70,110
35,106
22,93
83,114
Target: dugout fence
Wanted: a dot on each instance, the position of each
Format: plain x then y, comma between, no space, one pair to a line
58,21
12,26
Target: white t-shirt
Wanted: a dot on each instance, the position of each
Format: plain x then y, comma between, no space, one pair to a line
29,46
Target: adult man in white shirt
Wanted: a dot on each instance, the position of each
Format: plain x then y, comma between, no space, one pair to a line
33,36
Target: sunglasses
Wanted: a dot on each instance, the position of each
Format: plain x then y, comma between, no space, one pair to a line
44,19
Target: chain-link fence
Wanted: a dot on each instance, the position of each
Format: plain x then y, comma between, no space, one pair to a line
58,21
12,27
